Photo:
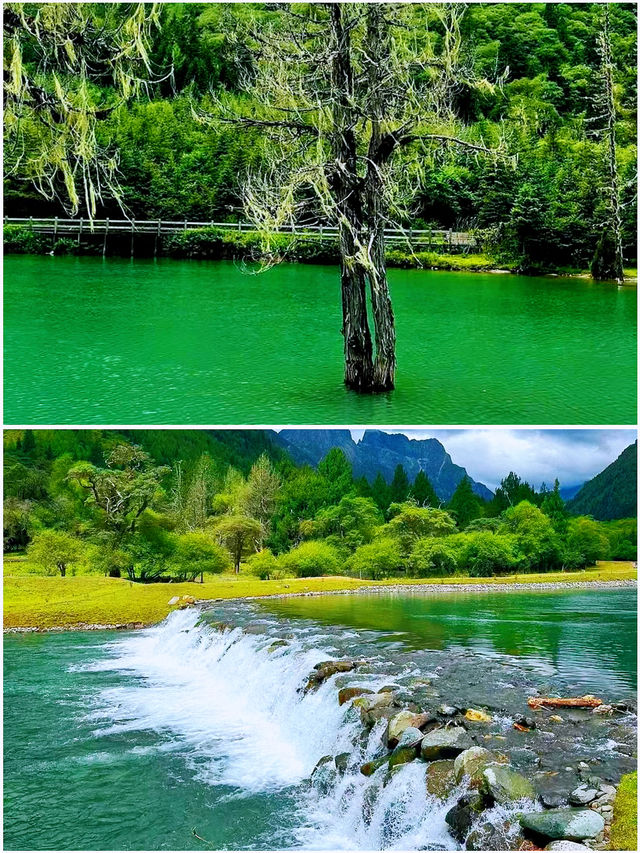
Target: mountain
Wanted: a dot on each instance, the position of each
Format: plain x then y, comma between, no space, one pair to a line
612,493
567,493
380,452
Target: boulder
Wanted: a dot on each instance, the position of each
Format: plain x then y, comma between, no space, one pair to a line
370,767
324,774
277,644
472,762
397,724
347,693
375,707
444,743
410,737
571,824
402,755
494,834
342,762
563,844
404,720
461,817
173,601
582,795
326,669
504,785
440,778
447,711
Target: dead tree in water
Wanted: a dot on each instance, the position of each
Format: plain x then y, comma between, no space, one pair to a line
337,89
608,261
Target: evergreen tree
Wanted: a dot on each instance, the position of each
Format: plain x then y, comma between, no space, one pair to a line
464,503
336,469
380,492
28,443
423,492
399,489
553,506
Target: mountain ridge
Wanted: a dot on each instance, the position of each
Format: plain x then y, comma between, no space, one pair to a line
381,452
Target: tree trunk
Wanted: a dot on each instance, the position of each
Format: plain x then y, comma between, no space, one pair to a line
358,352
63,569
608,261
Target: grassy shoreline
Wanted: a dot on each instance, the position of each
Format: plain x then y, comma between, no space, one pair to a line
43,603
220,244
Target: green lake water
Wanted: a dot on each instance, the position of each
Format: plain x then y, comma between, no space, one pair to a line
132,740
89,340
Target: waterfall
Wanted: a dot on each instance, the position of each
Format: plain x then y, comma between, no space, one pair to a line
233,705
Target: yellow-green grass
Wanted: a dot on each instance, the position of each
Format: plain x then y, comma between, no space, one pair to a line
624,829
33,601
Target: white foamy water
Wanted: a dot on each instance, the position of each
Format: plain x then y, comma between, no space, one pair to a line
235,711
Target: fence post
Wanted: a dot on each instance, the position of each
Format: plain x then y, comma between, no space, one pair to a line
157,237
239,225
133,228
450,239
104,242
185,224
80,231
55,234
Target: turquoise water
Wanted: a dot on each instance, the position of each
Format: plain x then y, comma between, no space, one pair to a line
89,340
133,740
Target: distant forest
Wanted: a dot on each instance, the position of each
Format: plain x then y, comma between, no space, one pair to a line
544,206
161,504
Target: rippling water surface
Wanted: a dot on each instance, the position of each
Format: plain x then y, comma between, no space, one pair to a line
182,342
133,740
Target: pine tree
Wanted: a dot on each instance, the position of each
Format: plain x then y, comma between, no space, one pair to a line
423,492
380,492
464,503
399,489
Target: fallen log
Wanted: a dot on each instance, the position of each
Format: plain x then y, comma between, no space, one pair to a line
554,702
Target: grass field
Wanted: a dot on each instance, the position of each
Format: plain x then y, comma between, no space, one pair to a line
53,602
624,830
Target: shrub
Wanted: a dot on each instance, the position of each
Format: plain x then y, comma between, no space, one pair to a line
486,554
432,558
21,240
55,551
378,559
312,559
263,564
197,553
586,543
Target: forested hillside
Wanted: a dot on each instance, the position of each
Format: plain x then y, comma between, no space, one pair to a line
541,98
613,493
160,504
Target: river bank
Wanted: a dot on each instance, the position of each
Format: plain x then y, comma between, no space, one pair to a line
217,244
33,602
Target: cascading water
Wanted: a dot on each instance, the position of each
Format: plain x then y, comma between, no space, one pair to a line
235,706
227,704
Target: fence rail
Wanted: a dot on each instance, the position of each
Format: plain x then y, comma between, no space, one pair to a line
79,227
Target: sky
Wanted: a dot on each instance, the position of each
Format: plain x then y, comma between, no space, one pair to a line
536,455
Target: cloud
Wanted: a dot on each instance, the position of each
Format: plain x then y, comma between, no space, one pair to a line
536,455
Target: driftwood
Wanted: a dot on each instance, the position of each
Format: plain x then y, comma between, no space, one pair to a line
552,702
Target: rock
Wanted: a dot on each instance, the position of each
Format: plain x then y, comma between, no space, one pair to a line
582,765
606,796
410,737
582,795
551,800
342,762
494,834
440,778
572,824
556,718
370,767
603,709
326,669
524,758
444,743
504,785
471,763
447,711
404,720
563,844
186,601
525,722
277,644
376,707
461,817
347,693
389,688
477,716
324,774
173,601
402,755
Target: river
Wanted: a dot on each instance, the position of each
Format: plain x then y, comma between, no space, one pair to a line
89,340
133,740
